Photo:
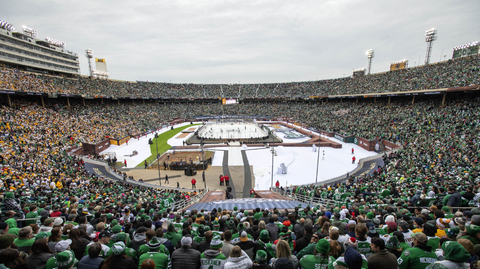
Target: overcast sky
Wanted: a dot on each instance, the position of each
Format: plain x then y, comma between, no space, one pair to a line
264,41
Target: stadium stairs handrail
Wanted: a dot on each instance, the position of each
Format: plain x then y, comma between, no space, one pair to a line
132,182
313,201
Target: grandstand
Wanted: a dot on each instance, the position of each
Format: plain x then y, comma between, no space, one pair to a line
421,124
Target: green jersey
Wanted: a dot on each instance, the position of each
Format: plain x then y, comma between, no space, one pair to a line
214,263
174,237
364,247
315,262
416,258
31,215
160,259
167,202
144,249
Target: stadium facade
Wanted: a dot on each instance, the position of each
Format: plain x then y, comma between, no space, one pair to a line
23,50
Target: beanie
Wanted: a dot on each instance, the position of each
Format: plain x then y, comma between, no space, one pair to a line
455,252
261,257
323,246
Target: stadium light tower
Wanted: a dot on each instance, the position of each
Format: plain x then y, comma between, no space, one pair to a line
370,55
29,31
89,55
430,36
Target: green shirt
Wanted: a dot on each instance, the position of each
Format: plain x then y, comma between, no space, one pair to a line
160,259
144,249
174,237
416,258
315,262
216,263
24,242
31,215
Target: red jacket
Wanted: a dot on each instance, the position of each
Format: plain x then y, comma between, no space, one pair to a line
277,184
227,178
222,179
193,181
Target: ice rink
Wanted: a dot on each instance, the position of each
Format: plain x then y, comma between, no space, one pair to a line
301,162
232,131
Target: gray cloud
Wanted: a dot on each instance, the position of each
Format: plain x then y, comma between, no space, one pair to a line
247,41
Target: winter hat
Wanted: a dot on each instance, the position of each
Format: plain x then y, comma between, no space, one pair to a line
393,242
186,241
261,257
216,225
65,259
116,229
323,246
153,243
392,225
353,259
231,224
389,218
350,243
370,215
425,212
216,243
473,230
453,232
264,235
455,252
118,248
328,214
120,237
458,221
6,240
57,222
283,263
443,222
62,245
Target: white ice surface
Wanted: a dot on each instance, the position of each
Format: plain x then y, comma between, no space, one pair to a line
301,162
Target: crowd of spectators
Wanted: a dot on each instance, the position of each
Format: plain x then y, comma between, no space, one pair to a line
453,73
404,214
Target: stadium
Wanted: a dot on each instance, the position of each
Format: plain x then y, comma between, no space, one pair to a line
327,173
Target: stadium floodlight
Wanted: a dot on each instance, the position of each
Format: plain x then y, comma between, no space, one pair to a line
430,36
7,26
370,54
29,31
89,55
55,42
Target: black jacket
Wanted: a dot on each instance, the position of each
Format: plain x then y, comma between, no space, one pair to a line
455,200
303,242
185,257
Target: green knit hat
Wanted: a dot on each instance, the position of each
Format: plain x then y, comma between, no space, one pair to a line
120,237
455,252
264,235
370,215
473,229
323,246
118,248
261,257
65,259
116,229
216,225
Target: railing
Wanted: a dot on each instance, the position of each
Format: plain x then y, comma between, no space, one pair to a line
193,200
313,201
